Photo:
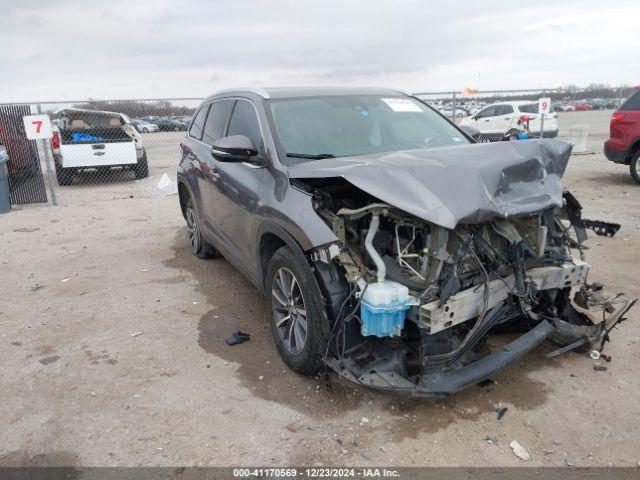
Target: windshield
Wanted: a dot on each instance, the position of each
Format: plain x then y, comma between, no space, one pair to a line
346,125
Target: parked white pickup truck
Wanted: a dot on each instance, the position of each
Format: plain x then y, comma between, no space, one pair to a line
95,140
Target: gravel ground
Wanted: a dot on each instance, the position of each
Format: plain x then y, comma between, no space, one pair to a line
113,354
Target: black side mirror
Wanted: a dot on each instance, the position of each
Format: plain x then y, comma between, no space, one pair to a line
236,148
470,130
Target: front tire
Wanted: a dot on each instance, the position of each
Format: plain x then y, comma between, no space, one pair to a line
634,166
199,247
297,312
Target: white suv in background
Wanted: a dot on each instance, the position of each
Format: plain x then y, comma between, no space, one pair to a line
499,119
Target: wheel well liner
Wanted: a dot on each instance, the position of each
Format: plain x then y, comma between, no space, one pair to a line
183,195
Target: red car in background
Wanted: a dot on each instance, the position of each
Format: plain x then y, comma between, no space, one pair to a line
623,145
583,106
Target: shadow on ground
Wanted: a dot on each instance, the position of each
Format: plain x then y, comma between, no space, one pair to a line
237,305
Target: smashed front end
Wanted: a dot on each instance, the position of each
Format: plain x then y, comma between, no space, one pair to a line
412,301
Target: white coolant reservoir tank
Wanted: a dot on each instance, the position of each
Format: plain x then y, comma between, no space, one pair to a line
384,308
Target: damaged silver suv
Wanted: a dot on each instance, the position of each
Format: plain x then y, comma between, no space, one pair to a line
389,244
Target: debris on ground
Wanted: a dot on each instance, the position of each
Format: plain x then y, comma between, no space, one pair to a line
48,360
37,287
519,450
600,368
293,427
491,440
136,334
236,338
485,384
501,412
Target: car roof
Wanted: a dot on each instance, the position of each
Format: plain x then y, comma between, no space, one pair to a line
296,92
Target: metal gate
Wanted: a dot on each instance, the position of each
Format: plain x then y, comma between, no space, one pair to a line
26,184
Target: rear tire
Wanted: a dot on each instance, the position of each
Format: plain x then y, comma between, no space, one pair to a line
141,168
199,247
634,166
297,312
64,176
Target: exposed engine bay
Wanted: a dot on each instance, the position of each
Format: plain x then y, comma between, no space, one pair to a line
412,302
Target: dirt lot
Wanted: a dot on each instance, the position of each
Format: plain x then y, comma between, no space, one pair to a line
113,353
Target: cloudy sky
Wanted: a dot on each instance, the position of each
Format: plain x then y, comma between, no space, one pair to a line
72,50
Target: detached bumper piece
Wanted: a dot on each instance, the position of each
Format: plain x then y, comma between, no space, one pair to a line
389,374
443,384
385,367
603,229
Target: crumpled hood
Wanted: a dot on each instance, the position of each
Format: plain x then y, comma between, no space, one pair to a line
462,184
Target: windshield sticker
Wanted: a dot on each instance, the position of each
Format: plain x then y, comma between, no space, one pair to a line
401,105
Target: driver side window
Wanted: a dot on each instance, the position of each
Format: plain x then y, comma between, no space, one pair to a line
244,121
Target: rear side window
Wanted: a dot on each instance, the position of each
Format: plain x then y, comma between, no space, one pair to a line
244,121
529,108
632,103
198,123
504,110
217,121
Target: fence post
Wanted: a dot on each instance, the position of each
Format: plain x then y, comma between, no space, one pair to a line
542,117
453,108
47,162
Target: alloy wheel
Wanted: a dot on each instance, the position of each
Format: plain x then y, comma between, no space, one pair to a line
289,310
193,230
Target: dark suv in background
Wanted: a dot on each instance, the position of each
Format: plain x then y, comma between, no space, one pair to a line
623,145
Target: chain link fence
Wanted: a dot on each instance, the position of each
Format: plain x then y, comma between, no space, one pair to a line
104,150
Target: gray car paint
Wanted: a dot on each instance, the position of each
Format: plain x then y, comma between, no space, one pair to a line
239,202
468,183
461,184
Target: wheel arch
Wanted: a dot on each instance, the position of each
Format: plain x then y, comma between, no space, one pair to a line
633,149
271,237
329,278
183,196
